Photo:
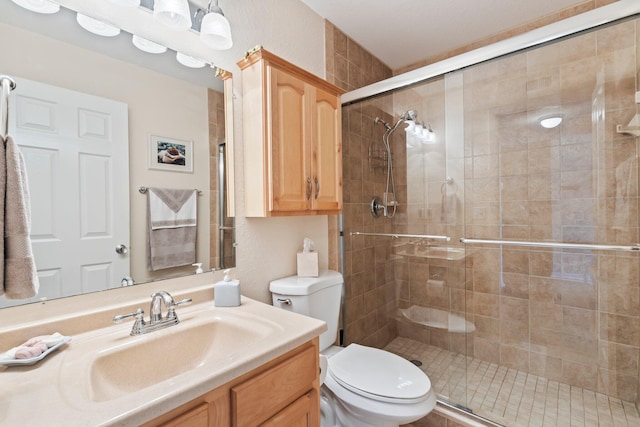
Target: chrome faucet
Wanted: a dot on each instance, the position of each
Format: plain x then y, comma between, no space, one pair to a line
155,314
156,321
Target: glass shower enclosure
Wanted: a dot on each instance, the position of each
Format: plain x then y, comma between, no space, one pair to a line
530,313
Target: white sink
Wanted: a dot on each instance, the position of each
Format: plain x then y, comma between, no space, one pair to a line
113,365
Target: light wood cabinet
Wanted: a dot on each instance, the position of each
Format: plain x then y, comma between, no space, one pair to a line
292,139
283,392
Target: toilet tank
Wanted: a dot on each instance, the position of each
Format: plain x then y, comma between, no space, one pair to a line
317,297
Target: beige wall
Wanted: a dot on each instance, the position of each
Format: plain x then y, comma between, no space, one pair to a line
266,247
158,104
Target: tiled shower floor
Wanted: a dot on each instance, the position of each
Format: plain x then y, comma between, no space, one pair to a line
512,397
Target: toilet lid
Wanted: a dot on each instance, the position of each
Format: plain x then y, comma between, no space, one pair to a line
378,374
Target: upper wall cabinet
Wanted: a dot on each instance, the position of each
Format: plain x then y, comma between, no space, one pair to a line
292,139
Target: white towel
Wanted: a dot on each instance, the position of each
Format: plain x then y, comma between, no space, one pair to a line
19,274
624,185
449,209
172,208
172,228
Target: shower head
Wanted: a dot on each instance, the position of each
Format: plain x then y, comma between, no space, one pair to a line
409,115
379,120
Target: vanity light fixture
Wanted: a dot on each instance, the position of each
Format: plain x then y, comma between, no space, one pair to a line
189,61
550,121
174,14
97,27
428,135
40,6
410,126
147,45
215,30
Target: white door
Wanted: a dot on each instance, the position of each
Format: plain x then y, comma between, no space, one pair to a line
76,150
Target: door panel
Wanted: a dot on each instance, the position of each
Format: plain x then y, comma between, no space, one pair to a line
76,150
288,143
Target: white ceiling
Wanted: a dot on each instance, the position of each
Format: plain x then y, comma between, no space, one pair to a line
403,32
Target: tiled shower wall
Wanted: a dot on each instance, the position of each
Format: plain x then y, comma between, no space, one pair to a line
350,66
369,286
567,315
570,316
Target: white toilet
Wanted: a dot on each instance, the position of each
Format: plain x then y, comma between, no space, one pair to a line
363,386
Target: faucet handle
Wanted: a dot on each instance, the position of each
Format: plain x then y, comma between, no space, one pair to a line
138,314
171,313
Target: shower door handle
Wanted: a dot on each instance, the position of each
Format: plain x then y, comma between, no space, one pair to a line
309,188
315,178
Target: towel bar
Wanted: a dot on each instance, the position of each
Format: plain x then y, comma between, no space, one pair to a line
143,190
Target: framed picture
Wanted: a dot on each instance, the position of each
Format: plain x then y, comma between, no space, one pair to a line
170,154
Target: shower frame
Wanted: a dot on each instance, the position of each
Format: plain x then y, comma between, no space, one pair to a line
572,26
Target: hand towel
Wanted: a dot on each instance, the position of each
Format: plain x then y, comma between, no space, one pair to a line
172,228
449,208
624,186
172,208
20,279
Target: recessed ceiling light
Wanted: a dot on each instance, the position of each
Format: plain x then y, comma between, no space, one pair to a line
549,122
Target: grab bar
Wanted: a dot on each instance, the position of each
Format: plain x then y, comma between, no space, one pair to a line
8,84
396,235
551,244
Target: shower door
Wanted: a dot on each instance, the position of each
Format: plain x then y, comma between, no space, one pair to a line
547,174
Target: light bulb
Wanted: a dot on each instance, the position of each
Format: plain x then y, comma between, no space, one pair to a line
40,6
215,31
97,27
173,13
410,125
147,45
126,3
190,61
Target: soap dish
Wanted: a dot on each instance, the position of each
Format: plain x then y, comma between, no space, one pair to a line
31,360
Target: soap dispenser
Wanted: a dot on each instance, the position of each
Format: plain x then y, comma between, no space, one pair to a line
227,292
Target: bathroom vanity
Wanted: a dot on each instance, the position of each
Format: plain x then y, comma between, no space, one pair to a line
282,392
220,366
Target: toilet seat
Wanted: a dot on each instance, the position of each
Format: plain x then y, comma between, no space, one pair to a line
379,375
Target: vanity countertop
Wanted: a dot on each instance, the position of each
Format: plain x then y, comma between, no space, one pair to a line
54,391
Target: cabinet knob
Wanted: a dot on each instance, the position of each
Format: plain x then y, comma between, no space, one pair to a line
317,187
309,188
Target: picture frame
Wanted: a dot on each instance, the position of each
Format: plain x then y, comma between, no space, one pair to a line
170,154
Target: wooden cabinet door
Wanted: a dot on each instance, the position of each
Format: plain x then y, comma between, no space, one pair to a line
289,139
327,152
196,417
303,412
